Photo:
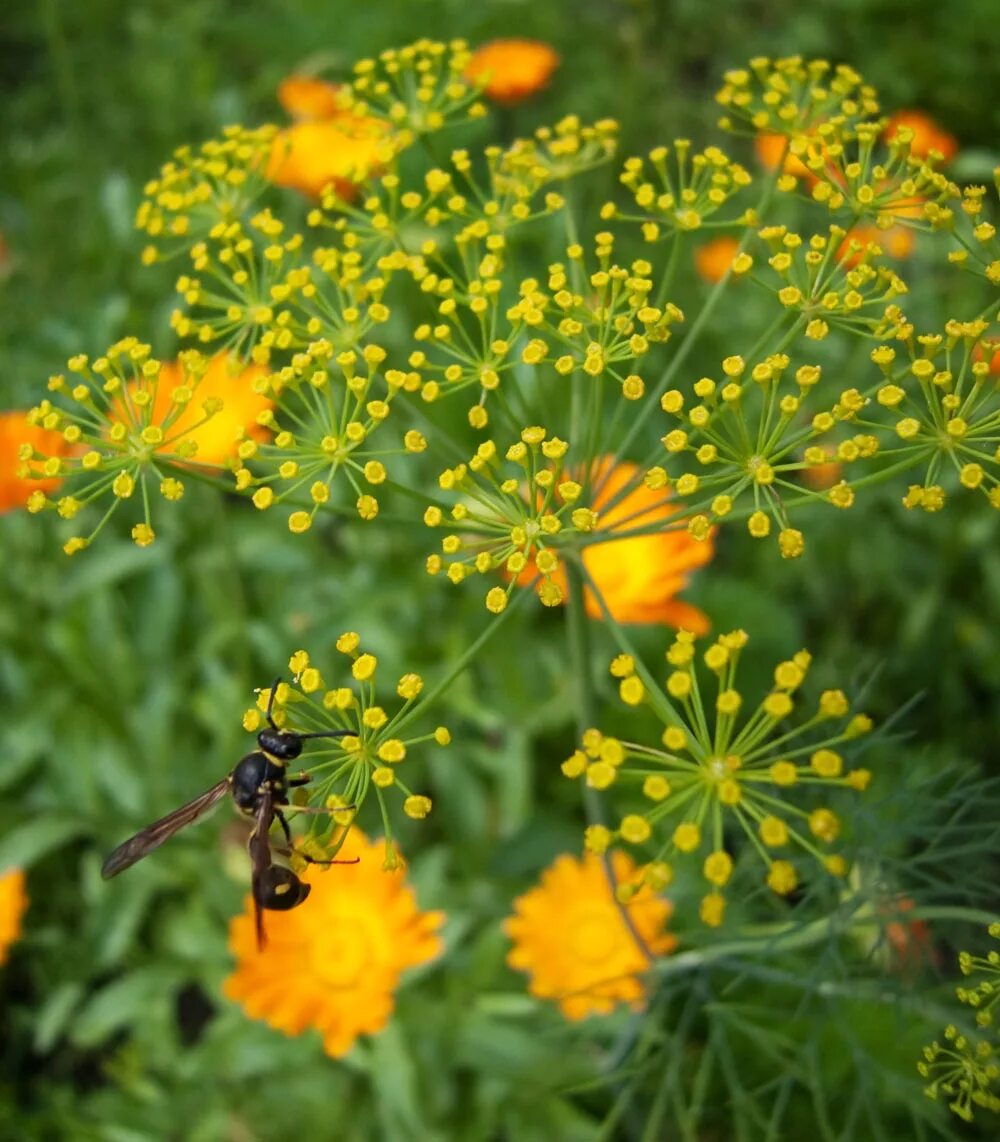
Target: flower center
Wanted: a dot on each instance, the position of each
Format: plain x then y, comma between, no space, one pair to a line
717,768
593,937
340,951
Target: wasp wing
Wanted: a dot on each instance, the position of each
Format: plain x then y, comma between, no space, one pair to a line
152,836
260,856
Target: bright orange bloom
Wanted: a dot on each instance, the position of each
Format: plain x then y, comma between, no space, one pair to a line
304,97
340,153
334,962
770,148
639,577
15,431
512,69
713,259
569,936
927,135
13,902
896,241
823,476
988,349
217,436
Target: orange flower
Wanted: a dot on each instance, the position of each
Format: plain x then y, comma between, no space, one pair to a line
304,97
770,148
340,153
569,936
988,349
513,69
15,431
909,940
639,577
823,476
334,962
927,135
217,436
13,902
896,241
713,259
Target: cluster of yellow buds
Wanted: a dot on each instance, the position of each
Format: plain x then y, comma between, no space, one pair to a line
715,764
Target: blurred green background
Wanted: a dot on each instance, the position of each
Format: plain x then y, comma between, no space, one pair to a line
123,674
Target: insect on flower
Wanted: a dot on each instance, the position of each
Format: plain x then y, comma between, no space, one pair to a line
259,784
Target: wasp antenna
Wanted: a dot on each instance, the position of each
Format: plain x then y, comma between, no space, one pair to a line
270,702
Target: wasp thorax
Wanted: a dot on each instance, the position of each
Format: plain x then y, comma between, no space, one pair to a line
280,743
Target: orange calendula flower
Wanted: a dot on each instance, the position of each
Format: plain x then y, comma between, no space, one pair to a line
334,962
340,153
13,902
218,436
304,97
927,135
713,259
569,935
639,576
16,484
896,241
512,70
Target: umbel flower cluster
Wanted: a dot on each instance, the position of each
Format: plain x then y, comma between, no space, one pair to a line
325,421
719,772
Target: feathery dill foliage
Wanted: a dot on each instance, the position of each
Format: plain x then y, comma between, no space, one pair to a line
415,290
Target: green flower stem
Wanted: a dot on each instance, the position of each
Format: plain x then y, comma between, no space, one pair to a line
578,648
463,660
792,937
701,320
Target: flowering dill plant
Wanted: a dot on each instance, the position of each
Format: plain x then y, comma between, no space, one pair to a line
714,767
452,333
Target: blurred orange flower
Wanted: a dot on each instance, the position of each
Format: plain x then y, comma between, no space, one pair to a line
13,902
15,430
639,576
770,148
569,936
340,153
304,97
217,436
896,241
713,259
334,962
823,476
512,70
988,349
909,940
927,135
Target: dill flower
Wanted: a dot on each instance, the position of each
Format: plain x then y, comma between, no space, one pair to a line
509,71
305,97
323,422
17,486
966,1068
336,155
420,88
943,408
516,509
199,189
679,193
13,902
717,772
136,426
569,936
640,576
928,135
369,758
714,259
334,963
791,96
